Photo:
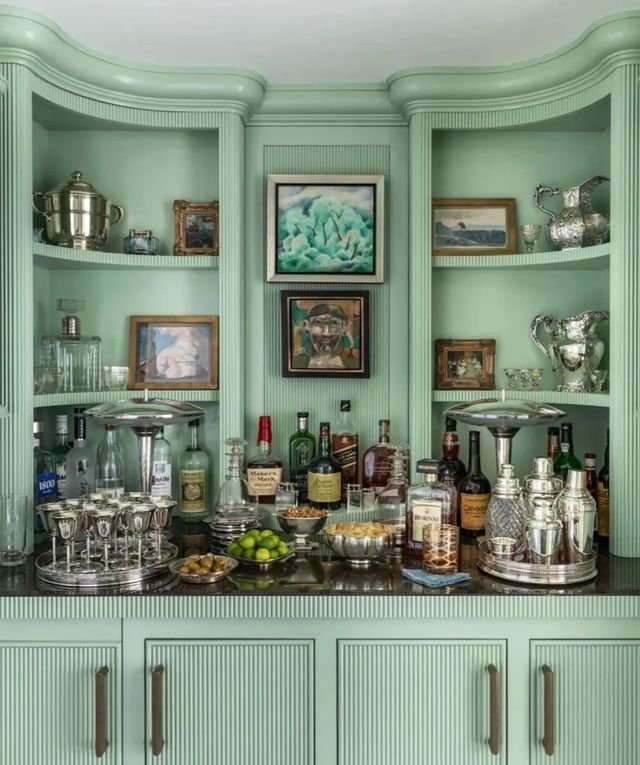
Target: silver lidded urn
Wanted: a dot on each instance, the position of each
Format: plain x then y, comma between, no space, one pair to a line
573,346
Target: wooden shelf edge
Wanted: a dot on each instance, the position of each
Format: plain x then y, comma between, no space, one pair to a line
99,396
580,257
546,396
56,257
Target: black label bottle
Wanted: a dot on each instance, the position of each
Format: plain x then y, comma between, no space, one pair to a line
474,492
344,444
325,474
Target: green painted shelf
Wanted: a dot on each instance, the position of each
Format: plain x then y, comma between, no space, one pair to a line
98,396
52,257
594,258
547,396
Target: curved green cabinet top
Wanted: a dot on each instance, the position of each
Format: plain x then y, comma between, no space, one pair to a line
579,106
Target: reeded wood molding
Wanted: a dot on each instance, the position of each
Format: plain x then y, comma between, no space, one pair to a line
36,42
607,44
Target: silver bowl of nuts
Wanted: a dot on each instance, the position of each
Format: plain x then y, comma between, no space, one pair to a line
360,543
302,522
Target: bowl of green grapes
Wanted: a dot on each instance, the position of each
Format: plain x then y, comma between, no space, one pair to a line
260,548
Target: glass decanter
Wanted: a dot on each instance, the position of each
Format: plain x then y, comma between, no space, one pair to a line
391,502
234,492
507,511
78,359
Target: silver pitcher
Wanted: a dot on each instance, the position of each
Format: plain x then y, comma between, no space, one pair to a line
574,347
577,224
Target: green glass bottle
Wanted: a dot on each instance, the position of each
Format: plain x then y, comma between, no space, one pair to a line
566,460
302,449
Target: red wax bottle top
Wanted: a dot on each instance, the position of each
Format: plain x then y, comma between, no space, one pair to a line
264,428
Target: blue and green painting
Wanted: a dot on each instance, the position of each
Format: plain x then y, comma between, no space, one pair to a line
325,229
469,227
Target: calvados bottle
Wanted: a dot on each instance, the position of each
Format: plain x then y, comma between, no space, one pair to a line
427,502
302,449
376,462
194,478
603,498
474,492
80,460
566,460
345,447
44,475
325,474
60,452
161,473
264,471
109,465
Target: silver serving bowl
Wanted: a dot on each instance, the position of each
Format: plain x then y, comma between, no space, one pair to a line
360,551
301,527
226,563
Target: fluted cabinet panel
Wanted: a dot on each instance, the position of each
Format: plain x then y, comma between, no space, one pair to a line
411,702
625,312
596,702
420,341
246,702
16,284
232,275
47,704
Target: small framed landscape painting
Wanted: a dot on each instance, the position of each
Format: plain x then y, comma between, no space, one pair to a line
465,364
325,334
197,225
173,352
325,228
474,226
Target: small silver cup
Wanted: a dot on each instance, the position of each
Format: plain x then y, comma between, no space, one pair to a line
543,540
503,547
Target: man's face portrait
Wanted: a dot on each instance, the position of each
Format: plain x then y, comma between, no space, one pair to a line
327,324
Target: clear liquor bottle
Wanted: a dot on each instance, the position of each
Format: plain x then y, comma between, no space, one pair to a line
264,470
60,451
44,476
302,449
194,478
80,460
109,464
325,474
376,462
344,447
161,474
427,502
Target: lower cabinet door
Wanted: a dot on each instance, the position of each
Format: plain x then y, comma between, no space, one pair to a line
585,704
418,702
59,704
237,702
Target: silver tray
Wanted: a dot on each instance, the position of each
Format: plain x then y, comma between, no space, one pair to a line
534,573
103,579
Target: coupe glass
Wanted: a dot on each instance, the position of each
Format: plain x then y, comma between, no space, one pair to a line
530,233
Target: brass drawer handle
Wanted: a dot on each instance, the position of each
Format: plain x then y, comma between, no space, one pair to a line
101,742
548,740
494,709
157,741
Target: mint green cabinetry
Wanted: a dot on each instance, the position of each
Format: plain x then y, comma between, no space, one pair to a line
234,701
419,701
595,706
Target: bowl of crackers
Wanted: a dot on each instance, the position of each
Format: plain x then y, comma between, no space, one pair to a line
360,543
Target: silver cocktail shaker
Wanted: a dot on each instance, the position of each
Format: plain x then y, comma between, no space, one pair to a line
543,532
576,508
541,482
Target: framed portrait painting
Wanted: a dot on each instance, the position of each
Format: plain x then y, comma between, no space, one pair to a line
474,226
197,225
325,334
325,228
465,364
179,352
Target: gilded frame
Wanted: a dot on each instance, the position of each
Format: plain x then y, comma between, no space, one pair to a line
506,211
465,364
190,238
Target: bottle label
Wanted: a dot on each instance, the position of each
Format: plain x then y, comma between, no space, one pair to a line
564,448
61,479
192,491
46,487
161,479
603,510
345,450
263,481
324,487
84,483
421,514
473,511
302,454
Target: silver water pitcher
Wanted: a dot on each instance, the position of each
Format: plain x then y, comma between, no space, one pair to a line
576,508
573,346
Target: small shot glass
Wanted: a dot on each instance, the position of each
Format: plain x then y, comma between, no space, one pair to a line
535,375
525,379
503,547
512,378
440,542
286,495
368,499
354,496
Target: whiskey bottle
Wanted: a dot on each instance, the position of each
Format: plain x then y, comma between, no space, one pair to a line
566,460
376,462
427,502
451,469
344,444
553,443
603,498
264,471
302,449
194,478
474,492
325,474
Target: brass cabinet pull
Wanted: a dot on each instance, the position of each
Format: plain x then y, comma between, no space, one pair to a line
494,709
101,742
157,741
548,740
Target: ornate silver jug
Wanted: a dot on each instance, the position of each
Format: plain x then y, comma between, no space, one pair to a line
577,224
574,347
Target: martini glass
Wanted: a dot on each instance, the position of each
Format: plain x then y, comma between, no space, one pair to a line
66,524
140,520
87,528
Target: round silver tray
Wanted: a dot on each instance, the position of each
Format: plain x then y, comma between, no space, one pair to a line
103,579
534,573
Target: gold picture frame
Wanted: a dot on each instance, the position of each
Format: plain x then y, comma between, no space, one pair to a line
483,226
465,364
197,227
